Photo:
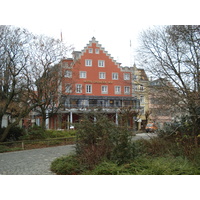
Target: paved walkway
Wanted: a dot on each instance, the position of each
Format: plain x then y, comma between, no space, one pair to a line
145,136
38,161
31,162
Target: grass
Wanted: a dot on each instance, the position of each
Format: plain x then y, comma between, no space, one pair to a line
145,165
4,148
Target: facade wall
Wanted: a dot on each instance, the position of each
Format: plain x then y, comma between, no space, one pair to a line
93,79
102,71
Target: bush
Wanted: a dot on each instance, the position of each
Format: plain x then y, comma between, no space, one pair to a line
147,165
60,133
154,147
164,166
14,133
34,133
68,165
102,139
124,148
105,168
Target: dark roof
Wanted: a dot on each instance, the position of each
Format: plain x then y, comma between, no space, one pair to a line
143,75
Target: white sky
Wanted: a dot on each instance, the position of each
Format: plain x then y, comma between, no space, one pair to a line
112,22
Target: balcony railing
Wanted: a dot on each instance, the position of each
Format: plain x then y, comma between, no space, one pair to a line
68,106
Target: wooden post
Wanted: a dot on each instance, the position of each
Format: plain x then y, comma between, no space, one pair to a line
23,145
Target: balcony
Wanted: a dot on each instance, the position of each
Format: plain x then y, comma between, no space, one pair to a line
83,102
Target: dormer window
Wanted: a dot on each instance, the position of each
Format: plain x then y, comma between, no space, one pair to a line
97,51
90,50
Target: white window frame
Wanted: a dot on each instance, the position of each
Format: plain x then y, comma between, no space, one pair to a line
126,89
101,63
68,88
126,76
117,89
102,75
88,62
141,87
90,50
141,99
115,76
82,74
88,88
97,51
68,74
104,89
78,88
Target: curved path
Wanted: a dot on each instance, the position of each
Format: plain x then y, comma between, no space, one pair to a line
32,162
38,161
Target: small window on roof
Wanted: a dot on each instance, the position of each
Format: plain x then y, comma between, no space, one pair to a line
97,51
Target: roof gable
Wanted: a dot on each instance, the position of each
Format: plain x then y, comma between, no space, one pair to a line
94,41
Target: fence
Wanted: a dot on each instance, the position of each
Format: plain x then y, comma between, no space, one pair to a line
32,144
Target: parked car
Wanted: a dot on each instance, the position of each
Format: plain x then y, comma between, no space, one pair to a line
151,127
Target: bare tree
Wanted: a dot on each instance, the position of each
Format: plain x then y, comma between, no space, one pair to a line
14,55
47,75
30,77
173,53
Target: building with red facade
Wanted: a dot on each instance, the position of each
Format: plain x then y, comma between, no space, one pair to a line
92,80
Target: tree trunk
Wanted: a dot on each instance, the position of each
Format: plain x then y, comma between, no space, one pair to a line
43,125
196,141
1,120
44,117
6,131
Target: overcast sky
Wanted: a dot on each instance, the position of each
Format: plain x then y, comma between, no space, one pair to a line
113,23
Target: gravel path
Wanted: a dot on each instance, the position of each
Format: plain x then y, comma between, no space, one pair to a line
32,162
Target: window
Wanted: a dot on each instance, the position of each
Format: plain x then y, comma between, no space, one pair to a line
126,76
65,64
88,88
134,77
114,76
102,75
142,110
141,87
141,99
68,74
117,89
68,88
82,74
88,62
84,102
126,90
90,50
104,89
101,63
97,51
78,88
135,87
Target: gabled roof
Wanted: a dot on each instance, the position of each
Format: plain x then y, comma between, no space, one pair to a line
100,47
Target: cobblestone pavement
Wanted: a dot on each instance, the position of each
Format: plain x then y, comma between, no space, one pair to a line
144,136
32,162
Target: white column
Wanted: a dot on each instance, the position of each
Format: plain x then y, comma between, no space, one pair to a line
68,125
71,121
116,119
71,117
47,120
